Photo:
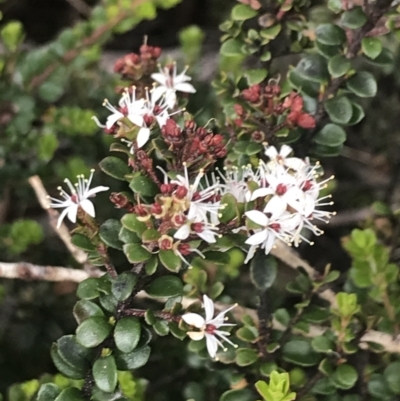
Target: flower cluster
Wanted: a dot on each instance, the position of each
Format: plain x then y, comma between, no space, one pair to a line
209,327
285,202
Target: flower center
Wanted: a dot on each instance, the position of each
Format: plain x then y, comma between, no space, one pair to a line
307,185
198,227
275,226
74,198
181,192
210,329
281,189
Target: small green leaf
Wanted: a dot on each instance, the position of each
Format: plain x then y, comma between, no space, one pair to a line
323,387
242,12
130,222
344,377
246,356
335,5
322,344
48,392
143,185
136,253
170,261
127,334
338,66
371,47
92,332
237,395
161,327
263,270
123,285
255,76
378,387
354,18
232,47
109,232
82,242
229,210
88,289
166,286
65,368
247,334
362,84
300,353
115,167
339,109
132,360
313,67
330,34
391,374
73,353
105,374
151,265
70,394
330,135
357,114
84,309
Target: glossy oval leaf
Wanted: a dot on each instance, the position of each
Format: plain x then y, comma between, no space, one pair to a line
127,334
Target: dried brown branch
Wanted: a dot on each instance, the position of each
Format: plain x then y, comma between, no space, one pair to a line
63,232
28,271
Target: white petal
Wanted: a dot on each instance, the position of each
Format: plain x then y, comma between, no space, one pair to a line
88,207
294,163
208,307
257,238
170,98
212,345
260,193
111,120
158,92
270,241
208,236
72,212
258,217
276,206
62,216
195,335
271,152
95,190
160,78
250,253
285,150
136,119
143,137
185,87
183,232
193,319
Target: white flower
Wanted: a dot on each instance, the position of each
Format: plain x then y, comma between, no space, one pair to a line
282,157
276,223
203,230
234,183
78,198
209,326
169,83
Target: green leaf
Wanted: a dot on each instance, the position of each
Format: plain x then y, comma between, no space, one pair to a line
73,353
47,145
127,334
150,235
65,368
357,114
143,185
354,18
263,270
12,34
70,394
105,374
84,309
322,344
330,135
344,377
127,236
136,253
217,257
237,395
362,84
282,316
92,332
229,210
242,12
232,47
170,261
371,47
161,327
391,374
300,353
246,356
338,66
313,67
123,285
151,265
255,76
330,34
82,242
130,222
109,232
339,109
88,289
132,360
248,334
378,387
115,167
166,286
323,387
48,392
385,59
335,5
327,51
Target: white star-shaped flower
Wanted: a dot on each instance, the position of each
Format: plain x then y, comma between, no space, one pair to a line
78,198
209,326
169,82
282,158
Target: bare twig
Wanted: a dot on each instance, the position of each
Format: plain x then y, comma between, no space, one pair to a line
63,232
81,7
28,271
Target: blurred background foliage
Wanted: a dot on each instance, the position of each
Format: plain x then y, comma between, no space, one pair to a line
52,81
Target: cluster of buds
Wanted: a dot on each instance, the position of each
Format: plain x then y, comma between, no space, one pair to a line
285,194
135,66
192,143
288,112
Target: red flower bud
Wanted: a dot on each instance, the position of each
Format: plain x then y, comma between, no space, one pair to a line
306,121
